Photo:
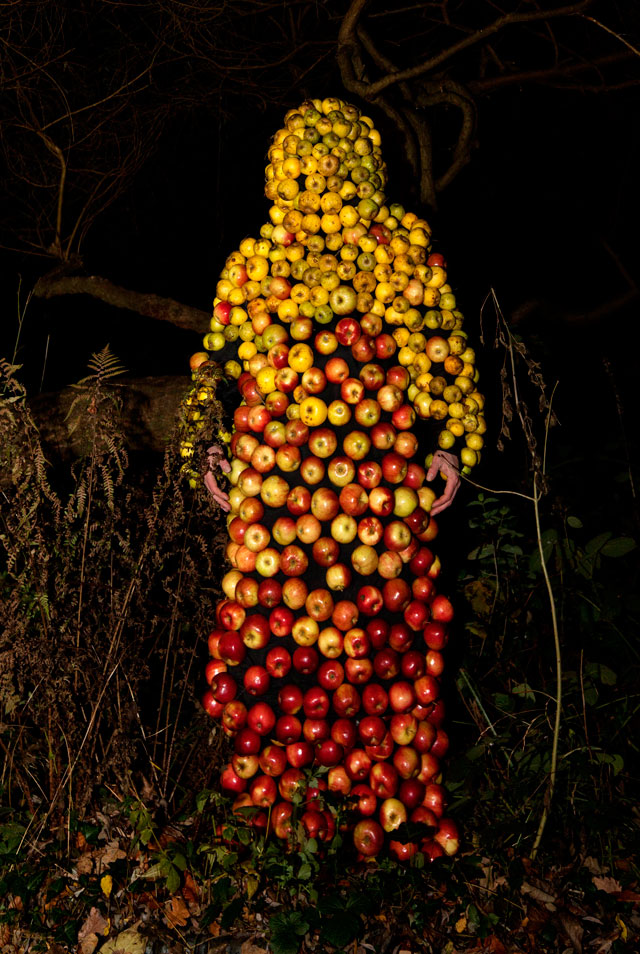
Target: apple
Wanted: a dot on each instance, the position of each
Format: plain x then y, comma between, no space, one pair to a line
364,560
368,837
389,565
413,664
375,699
269,593
396,535
436,635
316,703
356,644
281,621
256,680
281,821
261,718
416,615
255,632
274,434
358,671
341,471
357,764
314,823
344,732
300,754
293,561
336,370
329,752
312,470
403,728
429,767
245,766
396,594
288,459
305,660
210,705
394,468
441,609
427,689
273,760
292,782
230,782
393,813
371,730
305,631
263,791
386,663
377,631
288,729
330,642
366,412
274,491
406,761
381,501
356,445
369,474
247,742
424,737
351,390
325,504
296,432
383,779
353,499
330,674
315,730
256,537
447,836
224,688
346,701
234,716
294,593
338,780
383,436
325,551
322,442
344,528
347,330
372,376
369,599
434,663
231,648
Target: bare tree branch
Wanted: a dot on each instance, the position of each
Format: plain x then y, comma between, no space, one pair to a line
149,305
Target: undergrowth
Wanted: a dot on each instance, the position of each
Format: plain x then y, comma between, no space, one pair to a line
111,827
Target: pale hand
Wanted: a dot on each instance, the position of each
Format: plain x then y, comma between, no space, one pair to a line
448,465
216,458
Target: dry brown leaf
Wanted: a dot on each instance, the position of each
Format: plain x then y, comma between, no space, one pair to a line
573,929
190,892
248,947
84,865
538,895
96,923
127,942
610,885
88,944
110,853
176,912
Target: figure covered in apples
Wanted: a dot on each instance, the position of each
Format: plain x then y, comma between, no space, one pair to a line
355,386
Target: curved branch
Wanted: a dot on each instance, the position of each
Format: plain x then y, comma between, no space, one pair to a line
508,19
149,305
348,47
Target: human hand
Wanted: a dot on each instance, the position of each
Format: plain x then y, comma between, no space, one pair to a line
216,458
448,465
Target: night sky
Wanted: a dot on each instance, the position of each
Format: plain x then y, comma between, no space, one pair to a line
551,186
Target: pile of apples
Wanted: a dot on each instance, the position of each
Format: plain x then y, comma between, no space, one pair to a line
345,343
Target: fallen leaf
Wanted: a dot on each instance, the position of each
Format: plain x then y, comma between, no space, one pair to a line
96,923
461,924
249,947
538,895
190,892
627,895
573,929
110,853
610,885
127,942
176,912
88,944
84,865
106,885
624,934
